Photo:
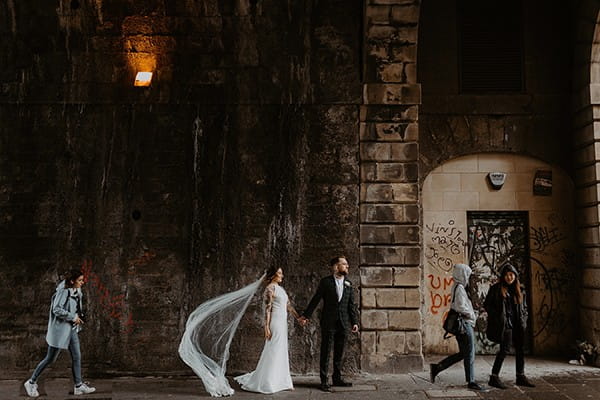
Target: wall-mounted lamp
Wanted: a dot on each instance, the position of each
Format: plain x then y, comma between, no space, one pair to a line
143,79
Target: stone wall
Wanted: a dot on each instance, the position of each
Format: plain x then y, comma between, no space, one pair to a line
389,192
586,107
242,154
531,122
459,186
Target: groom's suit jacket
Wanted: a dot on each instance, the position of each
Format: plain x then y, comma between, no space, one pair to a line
344,310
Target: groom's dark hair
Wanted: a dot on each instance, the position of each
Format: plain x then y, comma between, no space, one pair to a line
335,260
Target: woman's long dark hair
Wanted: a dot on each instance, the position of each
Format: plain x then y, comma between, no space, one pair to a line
516,288
71,277
270,274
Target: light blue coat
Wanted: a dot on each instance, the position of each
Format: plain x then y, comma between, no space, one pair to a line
460,298
63,311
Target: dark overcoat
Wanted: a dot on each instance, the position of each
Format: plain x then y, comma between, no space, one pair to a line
496,310
344,310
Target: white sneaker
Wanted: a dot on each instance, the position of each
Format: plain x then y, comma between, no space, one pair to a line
83,389
31,389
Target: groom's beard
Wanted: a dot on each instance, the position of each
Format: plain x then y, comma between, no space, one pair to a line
343,273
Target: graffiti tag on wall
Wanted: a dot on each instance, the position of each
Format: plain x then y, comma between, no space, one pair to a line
446,243
439,292
114,306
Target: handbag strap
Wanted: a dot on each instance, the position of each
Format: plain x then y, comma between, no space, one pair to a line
454,294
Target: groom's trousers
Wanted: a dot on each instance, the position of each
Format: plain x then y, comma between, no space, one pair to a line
337,339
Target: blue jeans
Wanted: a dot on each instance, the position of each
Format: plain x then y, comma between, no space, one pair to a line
52,355
466,345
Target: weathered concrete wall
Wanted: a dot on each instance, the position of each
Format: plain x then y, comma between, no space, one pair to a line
460,185
241,155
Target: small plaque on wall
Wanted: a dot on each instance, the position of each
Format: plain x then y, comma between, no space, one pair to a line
542,183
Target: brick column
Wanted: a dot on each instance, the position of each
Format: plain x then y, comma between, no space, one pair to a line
390,251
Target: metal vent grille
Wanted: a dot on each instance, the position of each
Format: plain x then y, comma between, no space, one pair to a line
490,46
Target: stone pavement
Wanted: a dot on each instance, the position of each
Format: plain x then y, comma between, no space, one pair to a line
555,381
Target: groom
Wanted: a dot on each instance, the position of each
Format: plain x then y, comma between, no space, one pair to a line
339,315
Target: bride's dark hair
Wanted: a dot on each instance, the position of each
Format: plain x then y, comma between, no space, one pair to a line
271,273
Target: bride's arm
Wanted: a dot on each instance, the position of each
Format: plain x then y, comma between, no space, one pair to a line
269,294
292,310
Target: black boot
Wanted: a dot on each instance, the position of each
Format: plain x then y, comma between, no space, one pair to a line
496,382
434,369
523,381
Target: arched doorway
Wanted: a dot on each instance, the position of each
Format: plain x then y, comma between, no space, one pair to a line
528,222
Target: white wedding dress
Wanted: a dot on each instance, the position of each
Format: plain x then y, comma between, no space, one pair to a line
272,374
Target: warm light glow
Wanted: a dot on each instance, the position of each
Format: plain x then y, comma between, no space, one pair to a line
143,79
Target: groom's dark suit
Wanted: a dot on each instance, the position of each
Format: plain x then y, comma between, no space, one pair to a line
337,318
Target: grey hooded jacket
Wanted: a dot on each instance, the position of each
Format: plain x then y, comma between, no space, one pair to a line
460,300
63,311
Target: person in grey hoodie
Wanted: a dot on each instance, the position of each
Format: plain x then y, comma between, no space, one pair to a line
64,324
466,342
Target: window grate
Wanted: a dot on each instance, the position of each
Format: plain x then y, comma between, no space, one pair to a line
490,46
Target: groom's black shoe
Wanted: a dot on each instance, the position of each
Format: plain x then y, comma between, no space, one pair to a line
325,387
340,382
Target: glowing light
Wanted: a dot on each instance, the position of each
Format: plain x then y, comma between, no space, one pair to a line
143,79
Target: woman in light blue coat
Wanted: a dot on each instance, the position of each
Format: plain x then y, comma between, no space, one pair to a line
466,341
64,324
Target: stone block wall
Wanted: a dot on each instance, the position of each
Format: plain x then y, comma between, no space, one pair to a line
586,139
461,185
390,254
242,154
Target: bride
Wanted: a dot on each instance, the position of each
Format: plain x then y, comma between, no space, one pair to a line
272,373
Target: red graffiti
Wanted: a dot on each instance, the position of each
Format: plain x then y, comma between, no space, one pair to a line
113,306
143,260
438,292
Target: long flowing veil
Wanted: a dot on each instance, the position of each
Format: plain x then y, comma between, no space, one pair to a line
208,334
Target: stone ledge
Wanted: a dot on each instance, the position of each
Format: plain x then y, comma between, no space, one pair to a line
389,193
389,234
392,93
381,151
395,113
389,131
390,255
394,213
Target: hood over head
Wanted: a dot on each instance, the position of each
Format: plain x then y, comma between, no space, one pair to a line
461,274
508,268
61,285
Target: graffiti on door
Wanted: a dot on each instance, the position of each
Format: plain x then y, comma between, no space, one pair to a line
495,238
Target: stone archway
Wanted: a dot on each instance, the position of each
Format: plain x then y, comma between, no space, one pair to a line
451,194
586,89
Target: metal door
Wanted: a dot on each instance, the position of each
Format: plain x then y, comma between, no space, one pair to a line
495,238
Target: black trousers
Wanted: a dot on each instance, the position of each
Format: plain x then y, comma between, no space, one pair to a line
511,337
335,338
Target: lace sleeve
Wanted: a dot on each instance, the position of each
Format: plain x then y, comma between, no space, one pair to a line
268,296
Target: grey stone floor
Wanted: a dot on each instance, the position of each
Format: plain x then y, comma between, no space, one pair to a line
554,379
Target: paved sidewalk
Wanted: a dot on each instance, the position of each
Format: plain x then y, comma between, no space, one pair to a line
554,380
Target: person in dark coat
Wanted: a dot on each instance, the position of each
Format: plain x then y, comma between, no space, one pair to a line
507,322
339,315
